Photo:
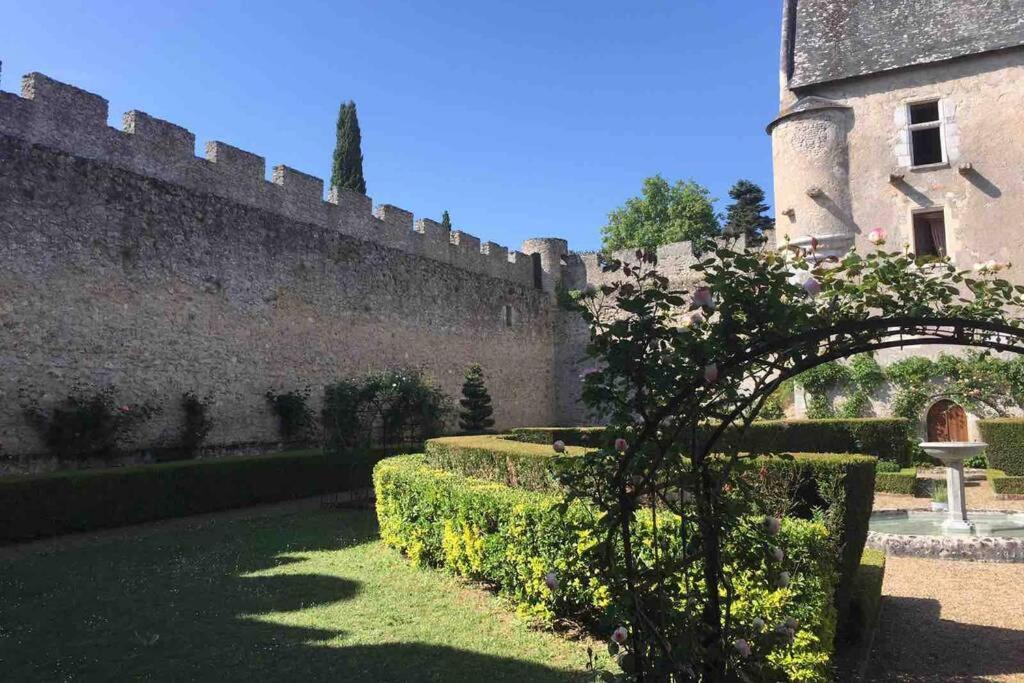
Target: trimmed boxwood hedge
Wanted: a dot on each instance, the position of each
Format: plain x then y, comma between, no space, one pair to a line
574,436
1005,485
884,438
903,482
1005,439
841,484
510,538
866,597
82,500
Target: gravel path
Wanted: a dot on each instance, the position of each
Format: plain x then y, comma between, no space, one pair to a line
946,620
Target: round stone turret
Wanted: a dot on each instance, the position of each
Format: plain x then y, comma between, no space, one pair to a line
812,185
548,253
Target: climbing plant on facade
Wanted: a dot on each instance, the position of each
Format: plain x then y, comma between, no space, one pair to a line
986,385
676,369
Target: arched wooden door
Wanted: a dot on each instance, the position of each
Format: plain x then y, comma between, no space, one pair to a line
947,422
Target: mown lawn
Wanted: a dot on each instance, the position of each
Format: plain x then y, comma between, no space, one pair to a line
305,597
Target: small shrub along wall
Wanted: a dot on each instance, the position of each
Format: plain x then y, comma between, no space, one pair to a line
1005,485
902,482
47,505
1005,439
840,484
510,538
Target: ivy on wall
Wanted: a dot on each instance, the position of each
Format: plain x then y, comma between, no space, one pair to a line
983,384
856,380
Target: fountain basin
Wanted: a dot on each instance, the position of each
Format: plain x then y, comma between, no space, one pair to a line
995,535
952,454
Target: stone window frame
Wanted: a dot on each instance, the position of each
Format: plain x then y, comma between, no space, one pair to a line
944,210
949,133
939,123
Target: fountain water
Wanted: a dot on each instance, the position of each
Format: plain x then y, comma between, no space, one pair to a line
995,536
952,454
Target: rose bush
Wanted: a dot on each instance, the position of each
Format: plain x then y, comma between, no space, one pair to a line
678,369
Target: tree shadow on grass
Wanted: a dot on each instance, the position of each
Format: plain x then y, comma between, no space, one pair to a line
187,606
915,644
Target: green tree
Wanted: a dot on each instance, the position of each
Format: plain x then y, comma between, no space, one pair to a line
475,416
746,214
662,214
347,169
446,220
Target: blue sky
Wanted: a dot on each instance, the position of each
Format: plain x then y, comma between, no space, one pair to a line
524,119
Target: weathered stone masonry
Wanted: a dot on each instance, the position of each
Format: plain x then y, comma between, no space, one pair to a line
127,260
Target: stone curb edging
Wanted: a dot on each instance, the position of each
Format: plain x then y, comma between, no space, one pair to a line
973,548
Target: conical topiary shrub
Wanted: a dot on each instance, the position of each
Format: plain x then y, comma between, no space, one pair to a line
475,416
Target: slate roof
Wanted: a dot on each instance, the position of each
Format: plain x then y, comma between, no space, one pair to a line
829,40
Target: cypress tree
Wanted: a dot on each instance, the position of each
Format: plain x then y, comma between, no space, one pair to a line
446,220
347,169
746,214
475,416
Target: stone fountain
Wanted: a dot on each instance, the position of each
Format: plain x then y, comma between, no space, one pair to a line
952,454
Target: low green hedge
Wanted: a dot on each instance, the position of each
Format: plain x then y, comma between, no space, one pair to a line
510,538
1005,485
514,463
573,436
884,438
841,484
866,597
82,500
1005,439
903,482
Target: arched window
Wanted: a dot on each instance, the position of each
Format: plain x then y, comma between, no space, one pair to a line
947,422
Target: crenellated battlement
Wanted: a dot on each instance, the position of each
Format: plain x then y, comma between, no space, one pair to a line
74,121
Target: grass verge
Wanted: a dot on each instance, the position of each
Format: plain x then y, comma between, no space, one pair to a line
310,596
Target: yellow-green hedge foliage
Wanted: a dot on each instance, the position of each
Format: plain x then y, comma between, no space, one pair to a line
510,538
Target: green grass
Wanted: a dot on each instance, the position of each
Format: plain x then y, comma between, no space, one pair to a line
310,596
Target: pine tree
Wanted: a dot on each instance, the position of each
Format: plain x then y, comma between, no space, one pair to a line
347,169
746,214
475,416
446,220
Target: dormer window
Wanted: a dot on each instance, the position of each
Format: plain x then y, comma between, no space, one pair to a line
926,144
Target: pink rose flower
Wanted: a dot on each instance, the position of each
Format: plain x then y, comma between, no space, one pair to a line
702,297
711,373
876,236
812,286
742,647
559,446
621,445
695,318
619,635
551,581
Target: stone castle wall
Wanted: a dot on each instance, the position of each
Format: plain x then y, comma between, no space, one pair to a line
126,260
